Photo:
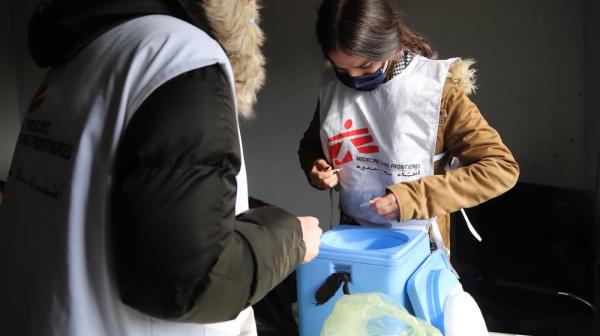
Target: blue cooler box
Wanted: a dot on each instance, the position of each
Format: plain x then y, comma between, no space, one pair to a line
377,259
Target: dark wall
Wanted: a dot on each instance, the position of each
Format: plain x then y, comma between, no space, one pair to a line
9,108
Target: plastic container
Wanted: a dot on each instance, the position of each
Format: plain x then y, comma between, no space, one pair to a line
429,287
377,259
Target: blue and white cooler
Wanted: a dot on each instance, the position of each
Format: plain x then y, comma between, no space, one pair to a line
373,259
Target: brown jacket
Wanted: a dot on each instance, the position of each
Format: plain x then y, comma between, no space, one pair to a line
488,167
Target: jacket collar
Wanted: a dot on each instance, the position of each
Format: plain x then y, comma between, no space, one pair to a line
60,28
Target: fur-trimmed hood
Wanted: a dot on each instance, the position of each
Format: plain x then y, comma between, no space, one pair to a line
463,76
60,28
235,25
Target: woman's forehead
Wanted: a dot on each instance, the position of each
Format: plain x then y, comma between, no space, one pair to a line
347,61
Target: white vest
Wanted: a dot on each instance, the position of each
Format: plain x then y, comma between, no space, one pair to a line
56,278
382,137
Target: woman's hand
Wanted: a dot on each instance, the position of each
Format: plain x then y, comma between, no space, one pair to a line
311,235
322,176
386,206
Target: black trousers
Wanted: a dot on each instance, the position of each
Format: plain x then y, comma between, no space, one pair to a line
274,315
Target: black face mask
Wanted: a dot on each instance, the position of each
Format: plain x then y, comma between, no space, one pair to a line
363,83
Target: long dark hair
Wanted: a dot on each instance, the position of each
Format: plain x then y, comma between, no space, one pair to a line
368,28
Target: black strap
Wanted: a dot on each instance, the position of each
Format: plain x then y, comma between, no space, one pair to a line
331,213
331,286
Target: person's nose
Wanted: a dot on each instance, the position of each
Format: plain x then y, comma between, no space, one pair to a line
356,72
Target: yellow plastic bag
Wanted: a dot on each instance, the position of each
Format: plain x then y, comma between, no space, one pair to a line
374,314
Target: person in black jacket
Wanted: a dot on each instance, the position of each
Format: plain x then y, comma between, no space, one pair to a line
179,249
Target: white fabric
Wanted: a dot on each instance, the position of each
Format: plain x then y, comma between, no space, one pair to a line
462,316
244,325
437,238
382,137
470,226
439,156
56,274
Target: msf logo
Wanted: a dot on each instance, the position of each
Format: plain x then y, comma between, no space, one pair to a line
359,138
39,98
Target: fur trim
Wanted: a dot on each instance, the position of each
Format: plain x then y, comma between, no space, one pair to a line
232,22
462,76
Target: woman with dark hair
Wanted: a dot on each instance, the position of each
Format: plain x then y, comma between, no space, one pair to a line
392,120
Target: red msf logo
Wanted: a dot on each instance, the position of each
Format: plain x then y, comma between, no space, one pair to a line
38,99
360,139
